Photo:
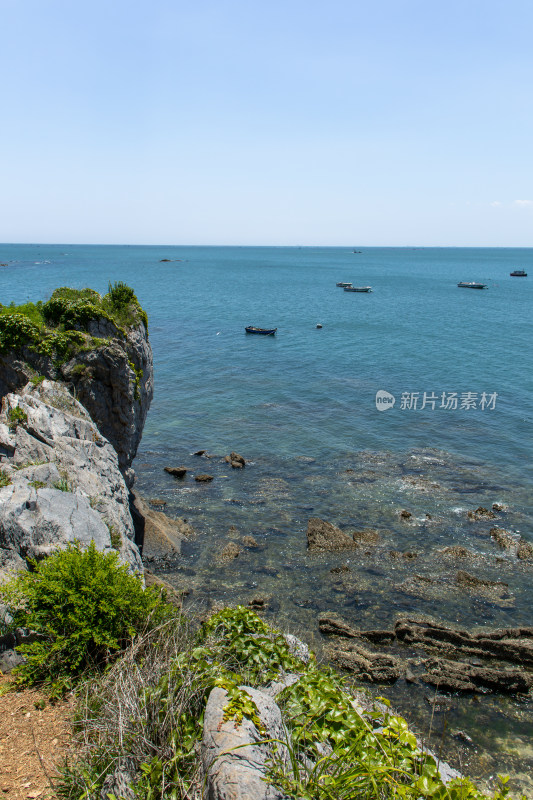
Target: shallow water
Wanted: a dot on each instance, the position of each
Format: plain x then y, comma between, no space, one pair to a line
300,407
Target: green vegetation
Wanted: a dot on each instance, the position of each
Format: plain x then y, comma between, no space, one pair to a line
59,328
114,535
63,485
16,416
37,484
5,480
85,608
149,709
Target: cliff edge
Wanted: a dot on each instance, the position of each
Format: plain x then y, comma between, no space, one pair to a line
76,382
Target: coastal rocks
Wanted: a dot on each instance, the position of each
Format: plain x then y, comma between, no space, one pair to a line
495,591
177,472
460,676
514,645
367,537
324,537
236,461
250,542
66,485
230,552
233,754
366,665
525,550
334,626
113,381
405,514
203,478
480,513
162,534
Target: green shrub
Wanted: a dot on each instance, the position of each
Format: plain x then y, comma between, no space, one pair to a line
63,485
16,330
5,480
16,416
85,608
120,294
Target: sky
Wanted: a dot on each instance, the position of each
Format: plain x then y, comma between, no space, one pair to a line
392,123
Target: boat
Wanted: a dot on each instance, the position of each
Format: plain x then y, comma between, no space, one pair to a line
518,273
261,331
344,285
357,288
472,285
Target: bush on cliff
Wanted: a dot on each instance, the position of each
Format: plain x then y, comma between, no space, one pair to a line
58,328
82,608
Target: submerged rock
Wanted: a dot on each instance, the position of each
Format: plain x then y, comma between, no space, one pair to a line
203,478
229,553
367,665
324,537
460,676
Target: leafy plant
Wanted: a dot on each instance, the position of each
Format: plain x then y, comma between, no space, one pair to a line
37,484
63,485
16,416
5,480
120,294
84,608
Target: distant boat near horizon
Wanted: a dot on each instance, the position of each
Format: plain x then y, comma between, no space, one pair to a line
471,285
357,288
518,273
343,285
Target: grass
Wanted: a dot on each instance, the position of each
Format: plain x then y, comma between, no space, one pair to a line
5,480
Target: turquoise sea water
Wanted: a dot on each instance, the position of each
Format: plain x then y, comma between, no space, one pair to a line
300,407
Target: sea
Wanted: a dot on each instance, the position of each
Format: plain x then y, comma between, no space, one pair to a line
415,397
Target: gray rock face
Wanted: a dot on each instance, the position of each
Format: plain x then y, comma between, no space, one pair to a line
65,486
114,382
117,386
238,774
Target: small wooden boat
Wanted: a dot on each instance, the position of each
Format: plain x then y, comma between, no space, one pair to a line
357,288
518,273
261,331
343,285
472,285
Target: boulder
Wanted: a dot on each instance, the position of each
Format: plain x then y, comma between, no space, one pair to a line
203,478
249,541
234,759
481,513
177,472
525,550
163,535
405,514
324,537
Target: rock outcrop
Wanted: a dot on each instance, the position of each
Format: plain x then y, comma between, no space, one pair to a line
110,372
62,481
235,754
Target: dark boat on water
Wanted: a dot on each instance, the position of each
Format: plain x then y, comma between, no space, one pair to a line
472,285
518,273
261,331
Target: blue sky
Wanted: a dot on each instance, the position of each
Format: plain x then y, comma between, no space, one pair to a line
399,122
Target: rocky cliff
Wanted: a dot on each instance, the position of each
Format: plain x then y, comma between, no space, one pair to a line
97,346
76,381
